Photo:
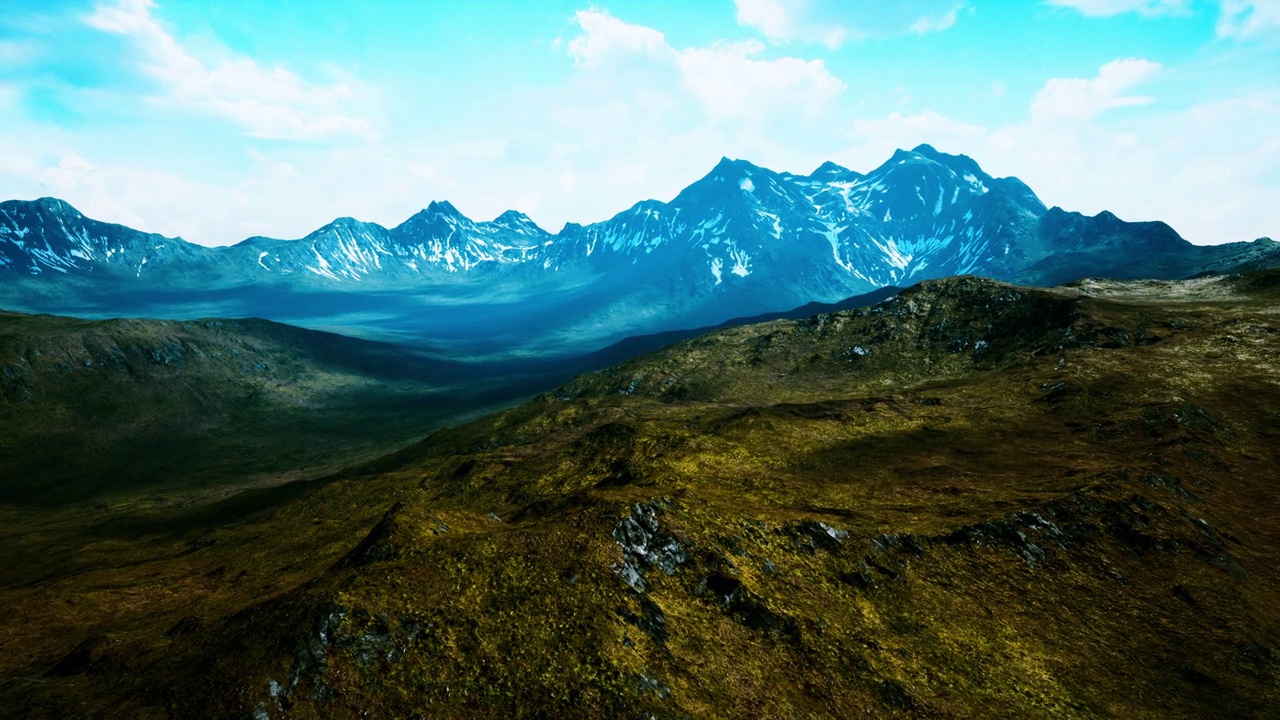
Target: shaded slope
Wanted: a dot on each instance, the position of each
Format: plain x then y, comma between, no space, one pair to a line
1016,502
124,406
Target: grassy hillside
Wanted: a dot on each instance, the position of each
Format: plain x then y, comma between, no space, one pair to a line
971,500
117,407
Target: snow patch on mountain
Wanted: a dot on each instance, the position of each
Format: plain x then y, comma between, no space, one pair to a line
780,236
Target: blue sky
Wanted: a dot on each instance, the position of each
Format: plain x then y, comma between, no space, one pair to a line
215,121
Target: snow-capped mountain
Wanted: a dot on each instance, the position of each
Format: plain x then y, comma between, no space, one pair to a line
742,240
836,232
437,238
49,237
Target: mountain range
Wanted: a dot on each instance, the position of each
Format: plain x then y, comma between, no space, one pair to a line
742,240
865,494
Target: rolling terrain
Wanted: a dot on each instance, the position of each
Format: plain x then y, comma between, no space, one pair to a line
121,407
972,499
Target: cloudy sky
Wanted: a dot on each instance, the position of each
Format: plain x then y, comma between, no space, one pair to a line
215,121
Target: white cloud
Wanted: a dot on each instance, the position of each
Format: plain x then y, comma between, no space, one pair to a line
312,188
731,84
1076,99
1237,19
14,53
771,17
1249,19
1107,8
137,197
606,40
728,80
787,20
639,117
8,97
1208,170
268,102
835,22
926,24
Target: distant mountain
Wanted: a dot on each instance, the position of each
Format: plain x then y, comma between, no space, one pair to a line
49,237
437,239
743,240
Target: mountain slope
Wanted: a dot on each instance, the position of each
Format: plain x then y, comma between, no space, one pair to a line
970,500
48,236
437,239
743,240
121,407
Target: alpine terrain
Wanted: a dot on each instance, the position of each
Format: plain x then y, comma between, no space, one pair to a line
741,241
116,408
973,499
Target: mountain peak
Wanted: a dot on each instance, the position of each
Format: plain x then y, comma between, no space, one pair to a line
927,153
347,224
443,207
962,166
829,169
517,221
56,206
727,168
513,216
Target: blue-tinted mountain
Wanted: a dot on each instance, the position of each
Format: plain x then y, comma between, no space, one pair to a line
436,239
740,241
49,237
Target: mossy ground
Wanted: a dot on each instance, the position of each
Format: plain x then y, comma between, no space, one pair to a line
1009,503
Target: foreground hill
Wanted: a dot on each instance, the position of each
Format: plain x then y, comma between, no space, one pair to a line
970,500
743,240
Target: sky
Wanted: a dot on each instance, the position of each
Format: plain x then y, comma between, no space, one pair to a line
217,121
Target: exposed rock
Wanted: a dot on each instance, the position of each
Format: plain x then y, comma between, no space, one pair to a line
885,542
813,534
311,658
646,545
646,683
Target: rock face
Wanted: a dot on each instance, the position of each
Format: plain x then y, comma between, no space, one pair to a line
743,240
